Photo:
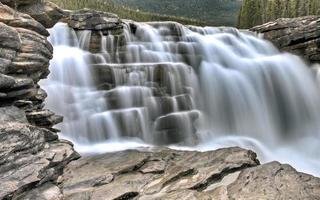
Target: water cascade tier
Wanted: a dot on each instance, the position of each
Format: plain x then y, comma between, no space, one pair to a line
163,83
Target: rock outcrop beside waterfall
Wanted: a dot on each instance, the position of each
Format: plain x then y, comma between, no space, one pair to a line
224,174
300,36
31,155
43,11
25,56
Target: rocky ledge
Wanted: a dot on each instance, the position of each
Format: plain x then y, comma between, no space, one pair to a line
224,174
32,157
25,54
300,36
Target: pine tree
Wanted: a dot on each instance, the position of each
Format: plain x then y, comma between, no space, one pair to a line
261,11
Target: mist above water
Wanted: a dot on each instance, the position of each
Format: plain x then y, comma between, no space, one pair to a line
190,88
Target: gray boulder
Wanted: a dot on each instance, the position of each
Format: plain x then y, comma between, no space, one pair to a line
87,19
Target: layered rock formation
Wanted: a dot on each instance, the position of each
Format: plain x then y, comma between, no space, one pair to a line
300,36
31,155
87,19
45,12
231,173
25,56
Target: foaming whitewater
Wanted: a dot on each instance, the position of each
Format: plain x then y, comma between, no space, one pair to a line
187,87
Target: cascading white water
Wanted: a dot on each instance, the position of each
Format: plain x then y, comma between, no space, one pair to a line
205,88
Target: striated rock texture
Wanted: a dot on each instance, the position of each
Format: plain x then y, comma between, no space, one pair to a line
45,12
224,174
31,155
300,36
93,20
256,12
24,60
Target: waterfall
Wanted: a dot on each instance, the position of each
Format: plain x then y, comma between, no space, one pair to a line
162,83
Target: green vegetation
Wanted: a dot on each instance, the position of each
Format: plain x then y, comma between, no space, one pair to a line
255,12
123,11
215,12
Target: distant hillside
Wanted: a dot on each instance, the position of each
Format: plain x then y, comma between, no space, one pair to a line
255,12
214,12
124,12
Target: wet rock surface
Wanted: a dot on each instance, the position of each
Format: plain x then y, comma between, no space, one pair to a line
231,173
300,36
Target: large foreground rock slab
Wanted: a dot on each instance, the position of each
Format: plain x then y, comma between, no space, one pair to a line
300,36
231,173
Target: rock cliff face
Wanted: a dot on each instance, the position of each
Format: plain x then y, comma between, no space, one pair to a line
31,155
45,12
300,36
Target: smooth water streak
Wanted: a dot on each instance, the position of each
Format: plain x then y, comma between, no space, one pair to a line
191,87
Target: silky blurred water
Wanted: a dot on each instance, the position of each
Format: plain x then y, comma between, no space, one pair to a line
216,87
